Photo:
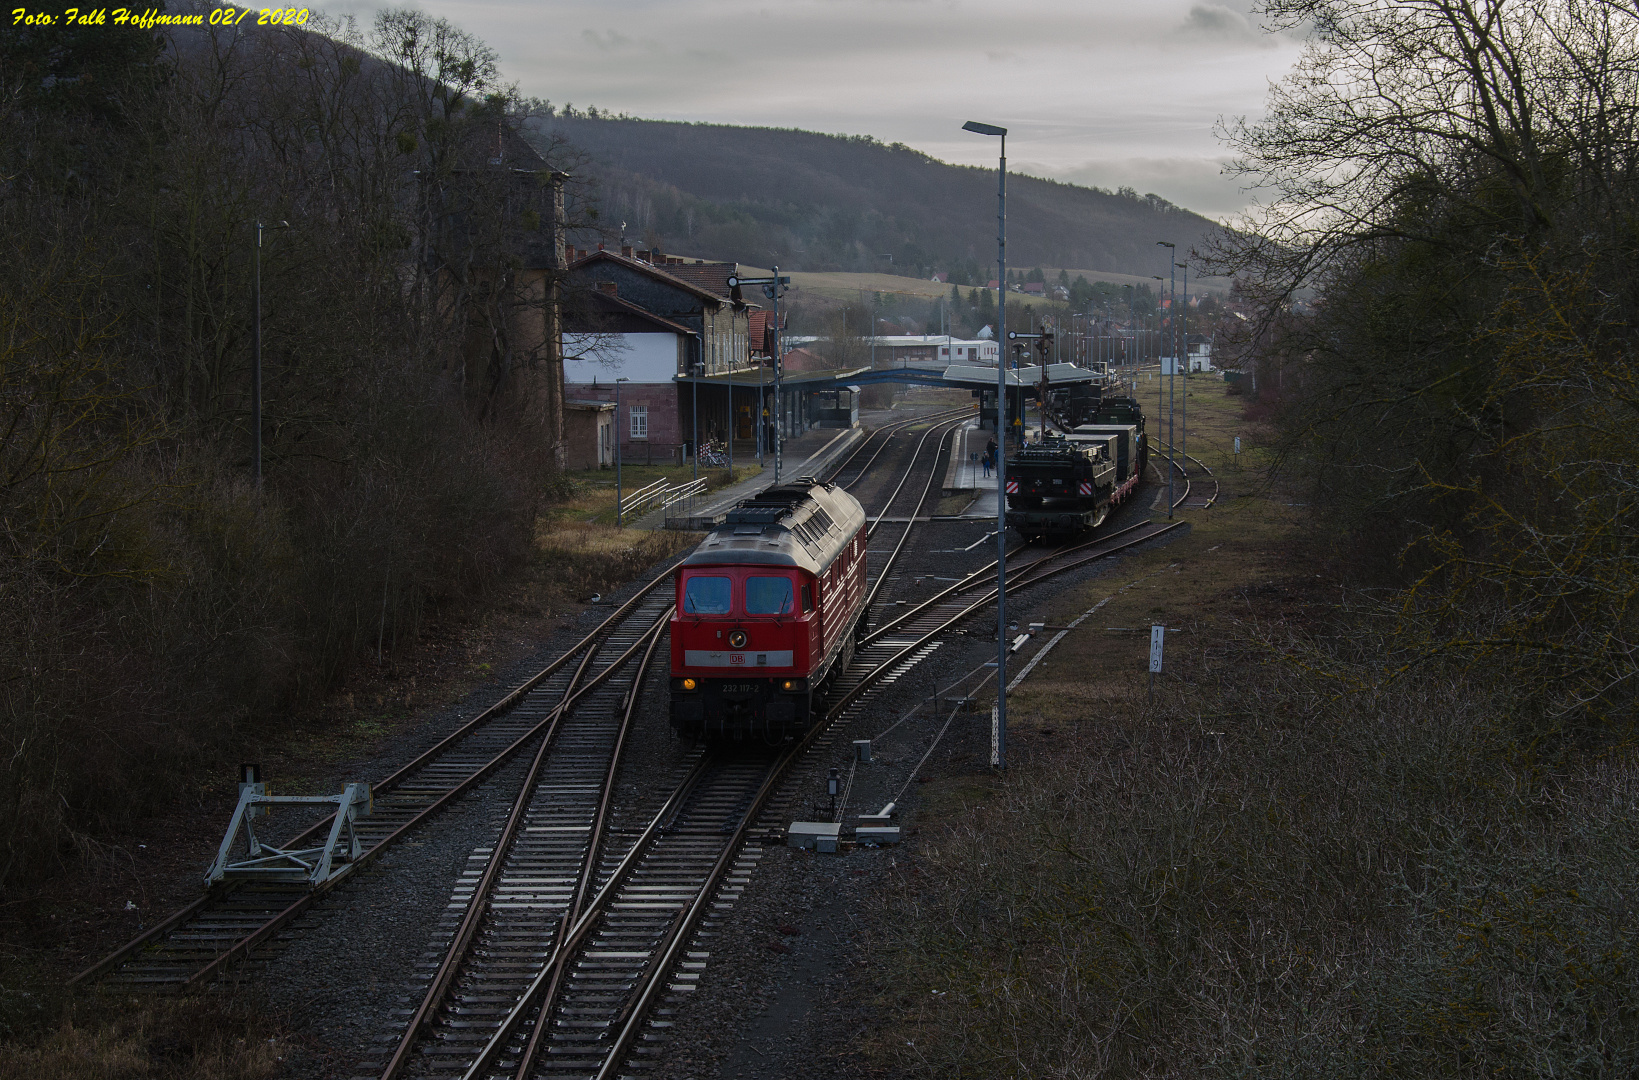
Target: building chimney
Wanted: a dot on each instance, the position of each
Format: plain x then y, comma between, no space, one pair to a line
600,246
657,257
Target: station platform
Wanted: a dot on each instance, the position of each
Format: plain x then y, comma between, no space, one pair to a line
809,454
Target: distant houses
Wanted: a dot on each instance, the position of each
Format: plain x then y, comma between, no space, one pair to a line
930,349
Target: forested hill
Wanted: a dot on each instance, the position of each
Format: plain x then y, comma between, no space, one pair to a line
833,202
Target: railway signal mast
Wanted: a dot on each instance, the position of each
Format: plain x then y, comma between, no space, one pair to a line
1044,349
773,287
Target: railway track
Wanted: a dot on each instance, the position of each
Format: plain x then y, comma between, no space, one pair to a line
228,924
888,533
1201,489
610,974
561,972
572,938
858,464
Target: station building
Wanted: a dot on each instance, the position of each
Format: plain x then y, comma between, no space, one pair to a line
690,352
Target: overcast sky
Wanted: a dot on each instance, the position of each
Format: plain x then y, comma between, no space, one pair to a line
1105,92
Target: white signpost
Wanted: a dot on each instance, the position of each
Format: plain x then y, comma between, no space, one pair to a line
1158,641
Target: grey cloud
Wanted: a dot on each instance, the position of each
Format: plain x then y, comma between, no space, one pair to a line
1197,184
1217,23
610,41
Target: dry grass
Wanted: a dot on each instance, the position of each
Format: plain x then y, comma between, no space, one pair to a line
1291,864
200,1038
579,559
592,492
1264,875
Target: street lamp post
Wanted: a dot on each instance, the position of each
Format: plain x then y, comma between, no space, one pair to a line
620,510
256,357
1126,346
1183,402
1163,389
1001,438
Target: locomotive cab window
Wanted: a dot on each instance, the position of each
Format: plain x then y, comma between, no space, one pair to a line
807,599
770,596
706,596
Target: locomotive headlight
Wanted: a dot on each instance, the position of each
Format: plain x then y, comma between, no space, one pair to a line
787,685
737,639
688,684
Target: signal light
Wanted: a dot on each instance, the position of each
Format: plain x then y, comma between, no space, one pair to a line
688,684
787,685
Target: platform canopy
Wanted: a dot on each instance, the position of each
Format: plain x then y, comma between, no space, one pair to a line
1027,377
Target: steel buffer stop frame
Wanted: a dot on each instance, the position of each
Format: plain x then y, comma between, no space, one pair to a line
265,862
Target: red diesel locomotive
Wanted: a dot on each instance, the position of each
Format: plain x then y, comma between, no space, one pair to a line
768,608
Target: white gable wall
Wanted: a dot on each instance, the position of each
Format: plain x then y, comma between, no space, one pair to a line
642,358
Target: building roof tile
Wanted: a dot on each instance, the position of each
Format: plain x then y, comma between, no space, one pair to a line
665,274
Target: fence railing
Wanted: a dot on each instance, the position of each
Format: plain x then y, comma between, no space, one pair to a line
683,493
643,500
663,495
680,512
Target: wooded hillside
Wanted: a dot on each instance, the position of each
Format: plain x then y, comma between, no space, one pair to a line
158,598
837,202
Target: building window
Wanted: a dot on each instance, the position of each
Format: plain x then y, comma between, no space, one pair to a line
640,420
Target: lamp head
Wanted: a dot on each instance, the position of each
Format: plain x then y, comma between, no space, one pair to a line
1163,243
983,129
